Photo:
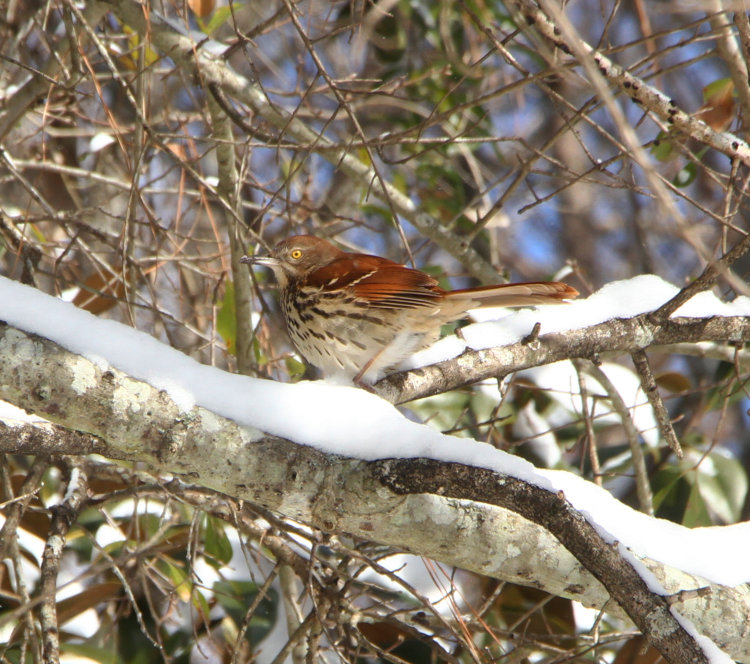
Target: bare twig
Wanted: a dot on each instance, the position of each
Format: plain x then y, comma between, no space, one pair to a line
643,488
644,94
709,276
63,517
596,470
15,511
648,383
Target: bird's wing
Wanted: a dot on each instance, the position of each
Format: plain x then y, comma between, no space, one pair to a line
383,283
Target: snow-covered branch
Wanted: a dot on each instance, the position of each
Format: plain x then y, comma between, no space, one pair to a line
622,318
650,611
328,489
618,336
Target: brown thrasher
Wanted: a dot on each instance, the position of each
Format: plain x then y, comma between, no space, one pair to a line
358,315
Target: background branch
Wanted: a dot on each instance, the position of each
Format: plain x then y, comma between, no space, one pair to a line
212,70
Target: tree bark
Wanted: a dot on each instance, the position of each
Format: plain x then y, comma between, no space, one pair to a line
135,421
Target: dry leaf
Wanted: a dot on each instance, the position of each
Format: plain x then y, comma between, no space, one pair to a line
202,8
100,292
718,110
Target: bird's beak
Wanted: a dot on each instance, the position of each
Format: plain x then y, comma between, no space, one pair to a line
269,261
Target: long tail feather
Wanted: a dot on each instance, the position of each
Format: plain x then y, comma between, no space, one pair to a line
516,295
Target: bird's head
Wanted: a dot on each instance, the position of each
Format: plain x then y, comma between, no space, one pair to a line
296,257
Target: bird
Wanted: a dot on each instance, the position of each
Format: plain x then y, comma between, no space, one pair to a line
358,316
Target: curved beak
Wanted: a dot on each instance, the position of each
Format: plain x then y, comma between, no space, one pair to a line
269,261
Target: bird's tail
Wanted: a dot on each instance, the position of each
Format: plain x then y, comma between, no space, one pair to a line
516,295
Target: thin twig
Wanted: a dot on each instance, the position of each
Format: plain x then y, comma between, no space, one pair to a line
15,511
643,488
706,280
588,421
63,517
648,383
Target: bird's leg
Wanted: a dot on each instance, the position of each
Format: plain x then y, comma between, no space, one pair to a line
357,380
404,341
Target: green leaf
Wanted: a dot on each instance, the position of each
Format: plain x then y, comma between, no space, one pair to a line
670,493
294,367
685,175
201,603
218,18
226,318
217,545
180,580
723,484
663,148
236,596
696,512
371,210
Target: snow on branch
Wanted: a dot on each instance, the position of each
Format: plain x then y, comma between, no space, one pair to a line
622,318
624,335
649,610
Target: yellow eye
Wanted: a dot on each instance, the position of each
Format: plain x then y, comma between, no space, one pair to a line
296,254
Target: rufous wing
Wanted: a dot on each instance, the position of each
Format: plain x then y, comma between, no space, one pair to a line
381,282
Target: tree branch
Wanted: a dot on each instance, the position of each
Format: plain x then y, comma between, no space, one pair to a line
651,390
64,516
136,421
637,89
620,335
649,611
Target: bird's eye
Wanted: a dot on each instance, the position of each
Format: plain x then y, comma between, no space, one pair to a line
296,254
